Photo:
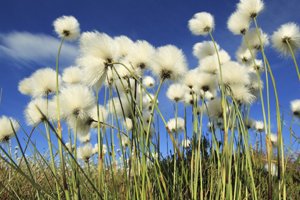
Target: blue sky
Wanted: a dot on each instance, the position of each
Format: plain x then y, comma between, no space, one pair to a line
28,42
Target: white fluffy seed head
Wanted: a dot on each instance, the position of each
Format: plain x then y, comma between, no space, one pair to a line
43,82
125,44
287,34
273,169
87,39
241,94
186,143
70,147
244,55
141,54
128,124
176,92
84,138
25,86
206,82
104,149
94,70
148,82
103,114
37,110
249,123
170,63
125,141
273,138
189,99
72,75
250,8
76,101
259,126
146,118
85,152
204,49
148,101
174,125
234,73
202,23
190,79
8,127
256,66
295,107
67,27
209,95
210,64
214,109
238,23
255,39
99,45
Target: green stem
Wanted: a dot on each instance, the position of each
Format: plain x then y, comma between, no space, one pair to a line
59,131
294,58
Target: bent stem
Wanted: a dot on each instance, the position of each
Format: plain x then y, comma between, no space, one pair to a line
294,58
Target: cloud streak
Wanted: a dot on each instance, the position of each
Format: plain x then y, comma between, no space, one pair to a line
27,48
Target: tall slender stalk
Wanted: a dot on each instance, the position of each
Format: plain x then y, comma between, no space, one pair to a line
281,169
59,131
294,58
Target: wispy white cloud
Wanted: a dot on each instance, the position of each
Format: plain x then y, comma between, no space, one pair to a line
26,48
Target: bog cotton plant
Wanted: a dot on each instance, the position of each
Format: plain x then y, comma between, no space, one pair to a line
287,41
204,49
295,107
148,82
234,73
170,63
190,79
202,23
186,143
272,169
244,55
287,38
210,64
250,8
8,128
84,138
41,83
72,75
176,92
38,110
85,152
25,86
125,45
76,101
67,27
176,125
238,23
255,40
140,55
259,126
128,124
